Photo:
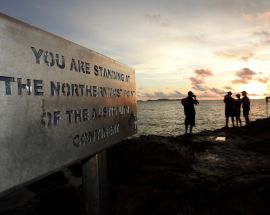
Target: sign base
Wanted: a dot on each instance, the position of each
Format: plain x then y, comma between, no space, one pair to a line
95,185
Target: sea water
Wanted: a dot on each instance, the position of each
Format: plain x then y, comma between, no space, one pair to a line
167,117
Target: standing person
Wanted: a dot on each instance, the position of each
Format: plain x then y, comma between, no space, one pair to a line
245,106
237,110
189,111
229,108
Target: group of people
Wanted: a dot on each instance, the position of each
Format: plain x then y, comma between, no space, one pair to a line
232,109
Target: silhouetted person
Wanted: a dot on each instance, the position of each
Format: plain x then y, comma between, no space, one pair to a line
189,111
245,106
237,109
229,108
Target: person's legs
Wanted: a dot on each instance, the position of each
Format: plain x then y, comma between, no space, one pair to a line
186,128
227,114
190,129
232,118
186,125
247,120
189,122
239,119
246,115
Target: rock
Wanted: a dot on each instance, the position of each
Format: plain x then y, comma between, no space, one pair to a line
193,174
157,175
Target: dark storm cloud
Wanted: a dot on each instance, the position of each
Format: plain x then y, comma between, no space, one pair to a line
244,76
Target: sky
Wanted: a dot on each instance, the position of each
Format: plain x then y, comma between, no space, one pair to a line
207,46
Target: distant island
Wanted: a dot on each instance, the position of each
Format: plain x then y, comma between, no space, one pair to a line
162,99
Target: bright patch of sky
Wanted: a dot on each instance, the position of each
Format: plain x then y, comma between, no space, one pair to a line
169,43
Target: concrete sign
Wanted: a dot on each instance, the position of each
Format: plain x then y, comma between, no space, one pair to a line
59,102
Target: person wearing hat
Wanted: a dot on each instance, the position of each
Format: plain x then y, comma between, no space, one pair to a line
245,106
229,108
189,111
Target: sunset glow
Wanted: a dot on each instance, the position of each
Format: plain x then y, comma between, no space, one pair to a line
255,90
209,47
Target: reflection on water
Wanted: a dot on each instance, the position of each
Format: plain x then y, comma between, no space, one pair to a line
167,117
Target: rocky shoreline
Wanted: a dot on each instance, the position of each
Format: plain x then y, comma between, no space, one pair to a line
158,175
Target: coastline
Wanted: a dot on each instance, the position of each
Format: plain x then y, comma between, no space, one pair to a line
158,175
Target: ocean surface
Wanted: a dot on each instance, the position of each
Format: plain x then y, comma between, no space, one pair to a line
167,117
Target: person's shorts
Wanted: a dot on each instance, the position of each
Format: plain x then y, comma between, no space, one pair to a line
237,114
245,112
190,120
229,112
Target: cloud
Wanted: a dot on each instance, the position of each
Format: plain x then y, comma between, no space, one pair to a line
198,81
200,87
263,80
244,55
263,16
156,19
248,17
228,88
212,92
217,91
201,73
244,76
178,93
263,35
161,95
259,17
257,40
195,81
